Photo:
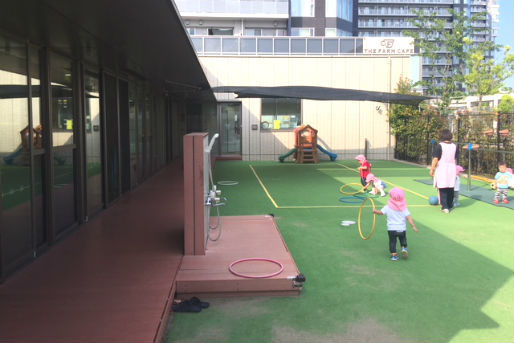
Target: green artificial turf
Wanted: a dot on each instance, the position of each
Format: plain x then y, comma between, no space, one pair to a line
456,286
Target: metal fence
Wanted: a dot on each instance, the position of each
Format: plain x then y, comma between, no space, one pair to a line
484,140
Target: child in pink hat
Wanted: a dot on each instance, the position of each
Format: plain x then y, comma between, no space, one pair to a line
376,184
459,170
364,169
397,215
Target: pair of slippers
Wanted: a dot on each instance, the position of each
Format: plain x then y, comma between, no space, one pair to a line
192,305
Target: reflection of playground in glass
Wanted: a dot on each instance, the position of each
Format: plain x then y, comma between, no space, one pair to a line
21,156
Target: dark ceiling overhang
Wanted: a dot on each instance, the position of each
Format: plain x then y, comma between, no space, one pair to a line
320,93
146,38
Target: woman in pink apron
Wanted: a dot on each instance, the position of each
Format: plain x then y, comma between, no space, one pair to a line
443,169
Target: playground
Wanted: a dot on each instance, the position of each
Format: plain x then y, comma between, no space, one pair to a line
456,286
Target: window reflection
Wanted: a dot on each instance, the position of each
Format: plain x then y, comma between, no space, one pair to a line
15,188
62,134
93,143
62,100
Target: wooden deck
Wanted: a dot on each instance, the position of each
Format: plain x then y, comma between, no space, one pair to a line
111,281
242,237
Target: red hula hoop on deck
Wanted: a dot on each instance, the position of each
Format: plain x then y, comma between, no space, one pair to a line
255,276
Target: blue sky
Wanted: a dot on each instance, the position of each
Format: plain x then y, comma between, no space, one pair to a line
506,29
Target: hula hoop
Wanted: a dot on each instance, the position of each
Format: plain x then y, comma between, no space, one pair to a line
374,219
228,183
255,276
351,193
352,199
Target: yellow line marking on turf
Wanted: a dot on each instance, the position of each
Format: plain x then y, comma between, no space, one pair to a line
392,184
328,206
340,206
352,169
263,187
408,190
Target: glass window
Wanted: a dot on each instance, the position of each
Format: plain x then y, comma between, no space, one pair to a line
61,100
221,32
61,81
252,32
302,8
269,32
302,31
330,32
280,114
331,8
15,137
93,142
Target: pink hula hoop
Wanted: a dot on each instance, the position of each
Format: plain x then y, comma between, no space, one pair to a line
255,276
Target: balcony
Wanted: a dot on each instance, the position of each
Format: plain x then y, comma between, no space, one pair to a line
427,2
234,8
284,46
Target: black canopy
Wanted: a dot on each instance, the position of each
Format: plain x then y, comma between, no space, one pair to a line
320,93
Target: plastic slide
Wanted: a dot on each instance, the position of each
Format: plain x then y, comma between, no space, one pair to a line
287,154
9,159
330,154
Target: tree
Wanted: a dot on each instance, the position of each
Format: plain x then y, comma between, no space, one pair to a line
448,46
413,127
506,104
485,76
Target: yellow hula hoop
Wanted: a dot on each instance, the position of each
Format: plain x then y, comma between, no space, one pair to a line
374,219
351,184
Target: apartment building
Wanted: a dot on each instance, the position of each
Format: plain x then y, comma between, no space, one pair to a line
391,18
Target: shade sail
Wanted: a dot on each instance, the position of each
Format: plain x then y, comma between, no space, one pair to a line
320,93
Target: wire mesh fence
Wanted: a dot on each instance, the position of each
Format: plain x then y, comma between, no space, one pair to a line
484,139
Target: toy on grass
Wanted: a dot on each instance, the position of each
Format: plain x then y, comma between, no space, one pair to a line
433,200
493,185
367,219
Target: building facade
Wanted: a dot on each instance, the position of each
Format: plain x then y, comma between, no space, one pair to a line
262,129
330,18
390,18
84,115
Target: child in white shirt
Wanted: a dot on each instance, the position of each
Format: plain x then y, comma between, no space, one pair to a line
456,189
397,215
376,185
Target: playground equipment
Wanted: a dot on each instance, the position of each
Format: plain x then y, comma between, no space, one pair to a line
306,146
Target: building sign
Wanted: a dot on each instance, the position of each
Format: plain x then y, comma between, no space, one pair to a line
388,46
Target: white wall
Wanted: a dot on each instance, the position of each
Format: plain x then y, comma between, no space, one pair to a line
342,126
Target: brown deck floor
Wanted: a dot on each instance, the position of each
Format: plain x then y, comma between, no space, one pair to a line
111,281
242,237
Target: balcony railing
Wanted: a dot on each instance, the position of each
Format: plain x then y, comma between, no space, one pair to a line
230,45
234,7
434,2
